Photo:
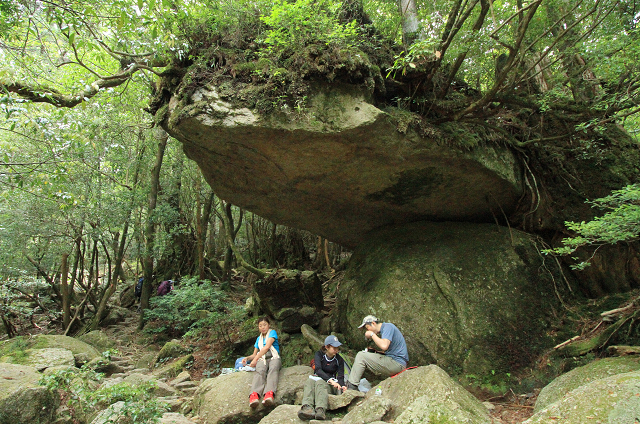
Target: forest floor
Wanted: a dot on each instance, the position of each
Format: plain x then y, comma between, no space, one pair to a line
507,408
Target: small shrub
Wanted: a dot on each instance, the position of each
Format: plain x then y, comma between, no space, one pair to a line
192,307
294,25
79,388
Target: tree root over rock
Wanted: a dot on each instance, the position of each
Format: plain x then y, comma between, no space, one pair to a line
578,346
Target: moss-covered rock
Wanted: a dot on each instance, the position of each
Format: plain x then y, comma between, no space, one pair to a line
226,397
171,349
19,350
74,345
581,376
161,388
435,389
146,361
173,368
98,340
473,298
344,169
22,400
42,359
611,400
283,414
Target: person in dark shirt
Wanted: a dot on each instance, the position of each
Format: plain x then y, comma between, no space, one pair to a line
328,379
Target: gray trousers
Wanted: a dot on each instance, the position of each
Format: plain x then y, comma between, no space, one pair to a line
378,364
266,376
316,393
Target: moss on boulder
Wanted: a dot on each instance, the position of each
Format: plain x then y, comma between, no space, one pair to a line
171,349
22,400
581,376
172,369
74,345
473,298
611,400
436,391
98,340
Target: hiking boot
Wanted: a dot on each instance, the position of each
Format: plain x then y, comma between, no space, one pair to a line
306,413
268,399
254,399
320,414
351,386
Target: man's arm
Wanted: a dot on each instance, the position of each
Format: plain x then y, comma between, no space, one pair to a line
383,344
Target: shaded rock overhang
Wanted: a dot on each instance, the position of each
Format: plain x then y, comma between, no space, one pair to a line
340,168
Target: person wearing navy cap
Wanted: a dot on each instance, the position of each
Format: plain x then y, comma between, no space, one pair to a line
328,379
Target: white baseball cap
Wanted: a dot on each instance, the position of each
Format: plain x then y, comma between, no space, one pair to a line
368,320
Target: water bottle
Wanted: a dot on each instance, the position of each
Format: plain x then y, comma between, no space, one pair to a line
378,391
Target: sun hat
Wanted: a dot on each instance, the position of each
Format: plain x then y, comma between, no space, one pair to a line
368,320
332,341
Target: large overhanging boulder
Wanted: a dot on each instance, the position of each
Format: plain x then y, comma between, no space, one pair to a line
342,167
473,298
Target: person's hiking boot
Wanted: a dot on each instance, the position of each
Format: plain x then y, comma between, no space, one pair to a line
306,413
254,399
351,386
268,399
320,414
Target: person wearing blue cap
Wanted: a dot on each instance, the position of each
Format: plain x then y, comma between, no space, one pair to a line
393,359
328,379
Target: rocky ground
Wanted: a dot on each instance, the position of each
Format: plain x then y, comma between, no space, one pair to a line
136,349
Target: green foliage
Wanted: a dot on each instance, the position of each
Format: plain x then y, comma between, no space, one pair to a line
419,52
620,224
294,25
193,306
79,388
495,383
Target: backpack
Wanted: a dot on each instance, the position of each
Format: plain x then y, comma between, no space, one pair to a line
138,290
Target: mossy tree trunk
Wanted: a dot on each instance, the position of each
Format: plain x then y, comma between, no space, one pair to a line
150,226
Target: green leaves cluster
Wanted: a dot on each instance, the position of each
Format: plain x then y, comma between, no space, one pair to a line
192,306
294,25
620,224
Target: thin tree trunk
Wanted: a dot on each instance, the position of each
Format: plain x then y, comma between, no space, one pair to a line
410,22
230,226
230,234
203,226
64,288
162,138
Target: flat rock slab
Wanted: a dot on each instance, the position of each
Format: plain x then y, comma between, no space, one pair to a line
343,169
283,414
22,400
42,359
175,418
344,399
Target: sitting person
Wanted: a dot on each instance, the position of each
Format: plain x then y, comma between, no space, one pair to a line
328,379
266,360
390,341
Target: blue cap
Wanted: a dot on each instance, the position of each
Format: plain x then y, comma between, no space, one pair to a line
332,341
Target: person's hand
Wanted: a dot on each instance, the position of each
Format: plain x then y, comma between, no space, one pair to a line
335,384
254,363
368,334
244,361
